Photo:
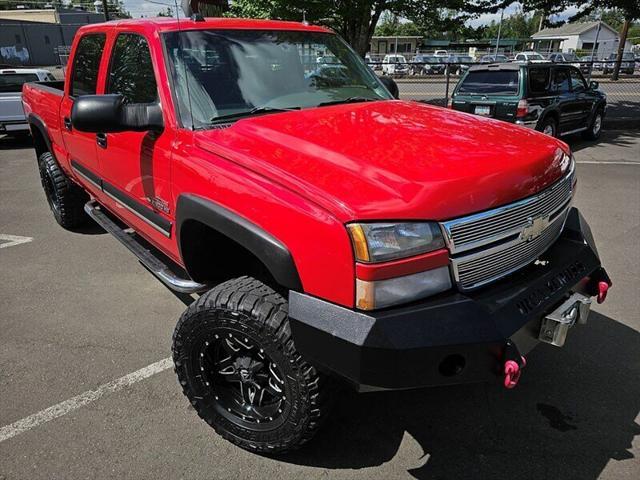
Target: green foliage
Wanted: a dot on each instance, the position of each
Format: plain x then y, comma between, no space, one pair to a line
517,25
166,13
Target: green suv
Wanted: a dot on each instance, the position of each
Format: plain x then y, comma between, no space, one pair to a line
554,99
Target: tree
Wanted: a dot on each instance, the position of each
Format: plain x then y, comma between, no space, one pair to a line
627,10
355,20
166,13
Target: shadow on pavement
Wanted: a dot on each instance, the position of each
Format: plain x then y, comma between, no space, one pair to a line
620,138
8,142
572,413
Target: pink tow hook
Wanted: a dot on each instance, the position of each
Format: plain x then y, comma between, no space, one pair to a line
512,372
603,289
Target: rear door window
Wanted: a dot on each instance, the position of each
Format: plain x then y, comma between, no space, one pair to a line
561,83
538,80
497,82
131,70
577,81
12,82
86,64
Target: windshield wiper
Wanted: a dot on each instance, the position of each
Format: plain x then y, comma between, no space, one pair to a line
248,113
347,100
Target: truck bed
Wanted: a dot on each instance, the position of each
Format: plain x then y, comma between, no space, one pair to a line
41,101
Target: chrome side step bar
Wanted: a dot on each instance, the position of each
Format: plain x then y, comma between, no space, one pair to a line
151,261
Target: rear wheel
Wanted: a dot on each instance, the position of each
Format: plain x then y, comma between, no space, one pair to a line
238,366
65,198
549,127
595,129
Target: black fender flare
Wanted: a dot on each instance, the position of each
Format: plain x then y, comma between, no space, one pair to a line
553,112
601,104
36,123
268,249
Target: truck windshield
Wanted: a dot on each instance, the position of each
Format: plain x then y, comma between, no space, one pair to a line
219,75
12,82
501,82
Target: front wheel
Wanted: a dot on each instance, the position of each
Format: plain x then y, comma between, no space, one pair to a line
239,368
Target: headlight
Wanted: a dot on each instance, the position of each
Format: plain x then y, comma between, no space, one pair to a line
381,242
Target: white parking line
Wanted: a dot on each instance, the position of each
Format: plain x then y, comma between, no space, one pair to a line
12,240
81,400
604,162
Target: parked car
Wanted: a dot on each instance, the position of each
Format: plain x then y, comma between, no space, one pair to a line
627,65
441,53
590,63
12,118
336,235
373,64
494,59
458,64
568,58
530,57
395,65
427,65
553,98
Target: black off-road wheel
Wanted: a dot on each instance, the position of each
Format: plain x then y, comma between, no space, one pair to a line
65,198
595,128
238,366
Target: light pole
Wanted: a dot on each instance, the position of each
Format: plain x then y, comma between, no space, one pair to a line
594,48
499,31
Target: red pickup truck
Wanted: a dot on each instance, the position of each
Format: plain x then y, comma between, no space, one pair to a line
335,233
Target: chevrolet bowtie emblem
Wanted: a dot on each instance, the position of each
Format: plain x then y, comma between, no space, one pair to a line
535,226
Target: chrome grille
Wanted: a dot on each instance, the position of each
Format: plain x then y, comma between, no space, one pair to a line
475,272
492,244
476,230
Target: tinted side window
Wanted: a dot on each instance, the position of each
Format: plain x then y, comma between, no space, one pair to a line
86,64
560,81
577,82
131,70
538,80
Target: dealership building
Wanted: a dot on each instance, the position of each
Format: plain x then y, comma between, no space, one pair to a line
40,37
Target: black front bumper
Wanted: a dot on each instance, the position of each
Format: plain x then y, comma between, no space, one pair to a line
452,337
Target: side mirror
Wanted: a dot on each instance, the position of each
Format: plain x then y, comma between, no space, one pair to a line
109,114
391,85
594,85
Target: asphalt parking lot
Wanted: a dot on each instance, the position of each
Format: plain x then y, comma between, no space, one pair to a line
85,329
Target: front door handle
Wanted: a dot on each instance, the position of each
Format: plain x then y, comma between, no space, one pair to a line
101,140
67,123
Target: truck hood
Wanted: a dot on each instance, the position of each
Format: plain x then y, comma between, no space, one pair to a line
392,159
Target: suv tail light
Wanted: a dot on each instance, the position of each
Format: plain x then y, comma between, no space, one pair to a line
523,109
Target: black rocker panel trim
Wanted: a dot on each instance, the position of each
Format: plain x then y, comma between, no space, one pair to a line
85,172
142,211
269,250
145,212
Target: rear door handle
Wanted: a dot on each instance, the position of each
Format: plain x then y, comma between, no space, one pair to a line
101,140
67,123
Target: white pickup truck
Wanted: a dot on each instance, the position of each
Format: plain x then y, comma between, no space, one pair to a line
12,118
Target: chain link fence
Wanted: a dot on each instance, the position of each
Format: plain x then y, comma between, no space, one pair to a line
434,82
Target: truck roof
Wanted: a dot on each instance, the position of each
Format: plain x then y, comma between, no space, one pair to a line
172,24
